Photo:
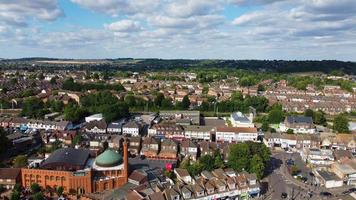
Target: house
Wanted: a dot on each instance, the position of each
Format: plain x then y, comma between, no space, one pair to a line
9,177
345,172
208,148
328,179
166,131
132,128
138,177
299,124
199,132
344,142
134,145
238,119
189,148
150,147
183,175
341,155
317,156
115,127
169,149
96,127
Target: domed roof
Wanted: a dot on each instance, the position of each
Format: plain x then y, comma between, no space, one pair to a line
108,158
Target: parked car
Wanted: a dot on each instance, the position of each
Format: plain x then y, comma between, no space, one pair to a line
284,195
326,194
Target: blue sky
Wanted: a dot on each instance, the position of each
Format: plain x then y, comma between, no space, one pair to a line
197,29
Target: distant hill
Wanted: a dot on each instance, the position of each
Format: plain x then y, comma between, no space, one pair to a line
282,66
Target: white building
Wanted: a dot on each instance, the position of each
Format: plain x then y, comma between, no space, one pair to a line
132,128
240,120
317,156
199,132
95,117
236,134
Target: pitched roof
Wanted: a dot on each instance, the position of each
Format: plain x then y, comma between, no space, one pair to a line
9,173
299,119
99,124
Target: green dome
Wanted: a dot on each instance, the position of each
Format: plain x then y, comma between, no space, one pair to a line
108,158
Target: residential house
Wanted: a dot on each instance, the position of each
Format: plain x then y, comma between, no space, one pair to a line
115,127
166,131
9,177
299,124
96,127
345,172
199,132
150,147
169,150
183,175
317,156
132,128
189,148
134,145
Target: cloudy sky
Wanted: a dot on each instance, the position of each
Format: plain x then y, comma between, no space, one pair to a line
228,29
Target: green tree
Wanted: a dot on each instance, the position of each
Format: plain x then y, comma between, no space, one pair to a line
237,96
158,99
218,161
167,103
207,162
59,190
309,113
35,188
261,88
265,126
239,156
319,118
53,80
290,131
33,107
72,112
185,102
4,142
257,166
275,116
341,124
38,196
20,161
15,195
40,76
130,100
77,139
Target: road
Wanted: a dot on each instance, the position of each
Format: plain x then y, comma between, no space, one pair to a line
280,181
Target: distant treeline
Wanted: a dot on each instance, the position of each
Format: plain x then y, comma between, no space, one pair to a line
280,66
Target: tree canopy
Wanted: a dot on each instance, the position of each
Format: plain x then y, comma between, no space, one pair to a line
341,124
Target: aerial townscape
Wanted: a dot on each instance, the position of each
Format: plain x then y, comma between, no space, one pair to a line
178,100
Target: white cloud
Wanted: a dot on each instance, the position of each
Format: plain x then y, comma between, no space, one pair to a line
124,26
188,8
119,7
17,12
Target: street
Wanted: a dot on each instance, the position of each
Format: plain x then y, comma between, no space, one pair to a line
279,181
